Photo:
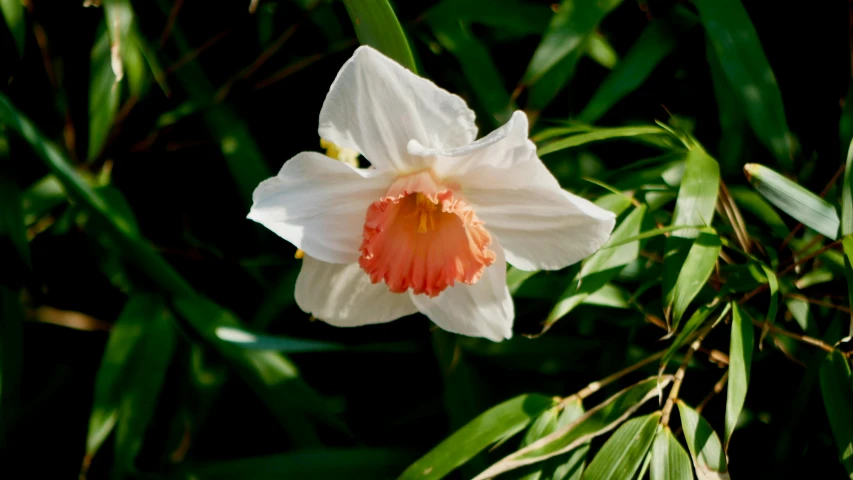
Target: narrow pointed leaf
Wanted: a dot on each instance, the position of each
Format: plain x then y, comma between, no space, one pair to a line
599,134
693,323
12,215
500,421
568,466
740,361
13,13
256,341
596,421
709,460
601,267
806,207
104,92
836,385
773,284
376,25
697,268
566,34
669,459
847,195
624,451
742,57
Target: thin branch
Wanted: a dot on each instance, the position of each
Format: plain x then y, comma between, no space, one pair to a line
718,387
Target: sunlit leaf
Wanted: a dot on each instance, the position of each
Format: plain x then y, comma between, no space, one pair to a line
601,267
500,421
836,385
599,134
740,361
596,421
806,207
669,459
601,52
624,451
697,268
693,323
104,91
709,460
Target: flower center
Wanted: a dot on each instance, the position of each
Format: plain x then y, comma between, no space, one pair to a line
422,236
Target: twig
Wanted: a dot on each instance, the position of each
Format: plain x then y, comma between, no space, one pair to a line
190,56
170,22
679,374
796,336
718,387
818,302
598,385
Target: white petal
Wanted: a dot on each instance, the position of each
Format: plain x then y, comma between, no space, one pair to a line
342,295
319,205
375,106
484,309
540,226
484,162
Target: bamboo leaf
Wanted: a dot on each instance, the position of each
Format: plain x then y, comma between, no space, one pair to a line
13,13
837,389
12,215
806,207
255,341
742,57
104,92
596,421
500,421
695,272
376,25
567,32
693,323
623,453
601,267
709,460
740,361
669,459
597,135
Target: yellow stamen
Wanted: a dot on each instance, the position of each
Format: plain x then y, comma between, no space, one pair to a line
425,208
299,254
343,154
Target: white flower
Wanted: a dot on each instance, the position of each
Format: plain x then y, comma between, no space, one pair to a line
432,224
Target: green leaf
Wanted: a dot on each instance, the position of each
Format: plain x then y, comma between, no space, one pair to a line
597,421
601,267
693,323
314,464
11,359
697,195
130,377
515,278
651,47
695,204
739,50
709,460
806,207
499,422
695,272
569,29
847,246
376,25
255,341
755,204
622,454
13,13
599,134
12,215
477,66
837,390
740,361
600,51
568,466
669,459
847,195
104,92
143,375
773,284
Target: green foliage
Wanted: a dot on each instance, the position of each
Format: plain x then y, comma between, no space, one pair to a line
132,136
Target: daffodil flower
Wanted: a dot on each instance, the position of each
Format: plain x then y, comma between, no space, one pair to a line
430,226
